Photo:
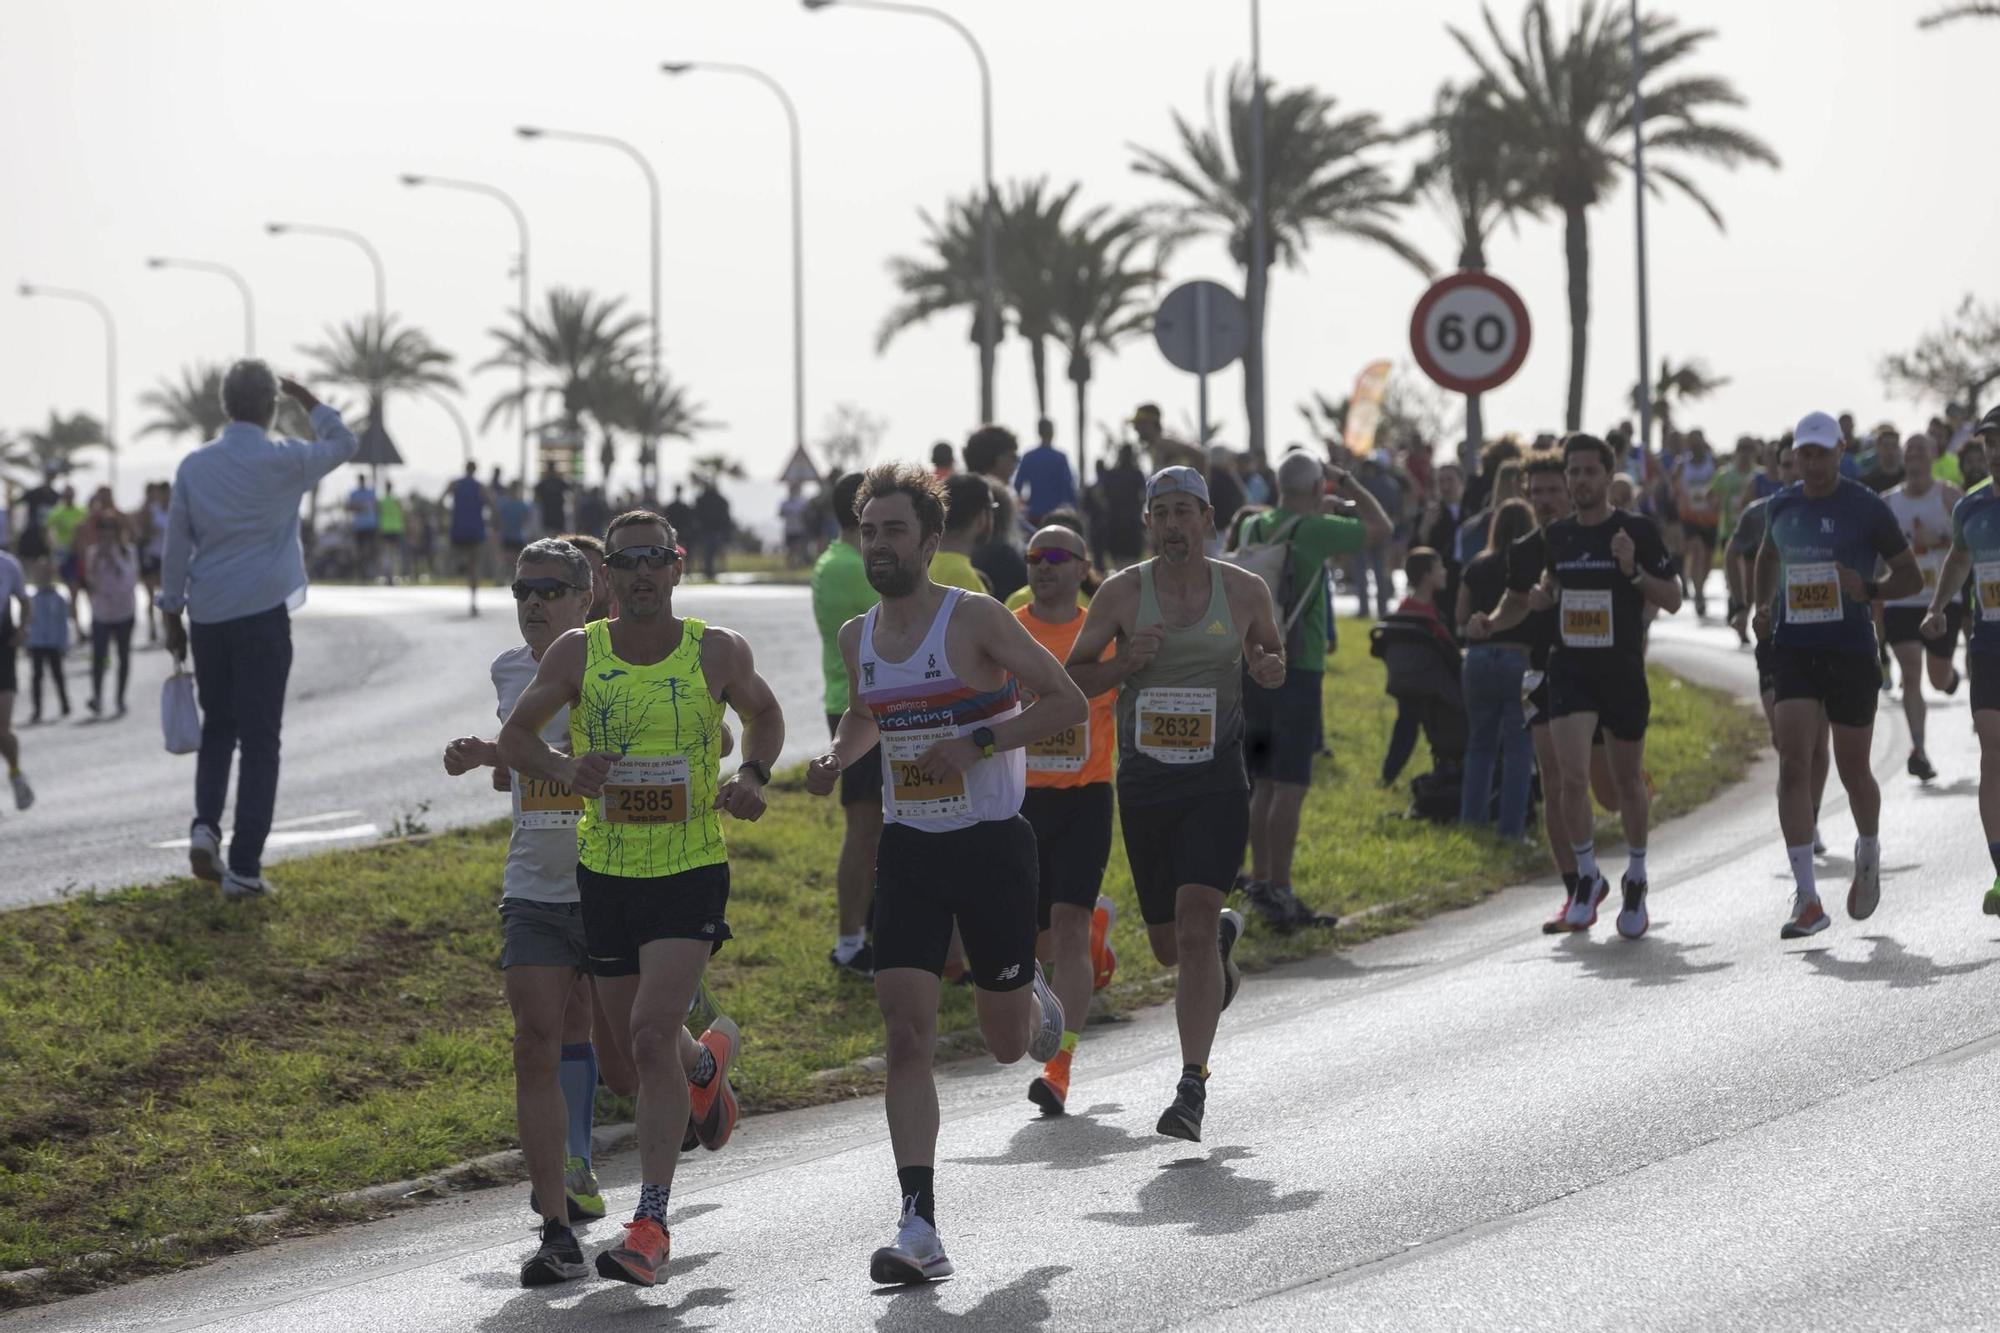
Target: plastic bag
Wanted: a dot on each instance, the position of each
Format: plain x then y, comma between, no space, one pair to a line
180,716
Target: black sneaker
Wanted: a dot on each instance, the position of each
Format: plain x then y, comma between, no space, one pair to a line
1952,688
1182,1120
1270,903
560,1258
1920,766
692,1139
1227,931
861,966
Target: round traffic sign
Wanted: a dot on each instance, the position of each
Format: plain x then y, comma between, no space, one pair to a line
1201,327
1470,332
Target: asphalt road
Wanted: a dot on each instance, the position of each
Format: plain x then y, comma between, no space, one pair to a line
1465,1125
381,679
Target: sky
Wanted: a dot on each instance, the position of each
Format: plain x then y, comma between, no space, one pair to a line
136,128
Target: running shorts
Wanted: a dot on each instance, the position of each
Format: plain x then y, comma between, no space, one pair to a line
1282,727
860,781
1848,684
1609,684
981,879
1985,671
1193,840
623,913
1904,624
1767,669
1072,843
1705,533
539,934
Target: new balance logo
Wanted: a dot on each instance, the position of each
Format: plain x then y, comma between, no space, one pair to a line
1010,973
610,675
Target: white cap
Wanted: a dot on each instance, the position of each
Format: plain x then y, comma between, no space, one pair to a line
1816,430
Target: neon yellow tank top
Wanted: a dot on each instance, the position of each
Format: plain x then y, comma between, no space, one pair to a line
657,815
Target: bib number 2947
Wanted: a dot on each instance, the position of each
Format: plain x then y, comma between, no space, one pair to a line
916,796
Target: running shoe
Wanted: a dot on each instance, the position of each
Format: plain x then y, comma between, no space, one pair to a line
1808,917
204,851
1051,1089
1633,918
1103,958
584,1194
1228,930
1582,913
714,1106
237,887
1991,903
1700,605
641,1257
1819,843
691,1138
24,795
559,1259
1269,904
1047,1041
1559,923
1920,766
1864,893
1182,1120
916,1255
861,965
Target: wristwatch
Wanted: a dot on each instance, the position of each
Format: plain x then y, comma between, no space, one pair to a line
758,767
983,738
1638,577
1872,588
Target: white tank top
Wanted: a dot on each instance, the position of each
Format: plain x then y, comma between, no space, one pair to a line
1927,524
918,702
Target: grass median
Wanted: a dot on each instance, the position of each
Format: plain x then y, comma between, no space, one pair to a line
170,1064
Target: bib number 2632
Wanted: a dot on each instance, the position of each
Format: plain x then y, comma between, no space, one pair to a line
1176,726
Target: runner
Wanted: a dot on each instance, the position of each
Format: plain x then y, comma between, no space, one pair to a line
1818,537
1923,508
600,581
1187,628
15,609
153,549
1700,513
365,516
645,693
1068,804
467,499
935,675
1975,553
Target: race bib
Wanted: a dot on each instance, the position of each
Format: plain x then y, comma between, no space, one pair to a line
647,791
1812,594
1063,752
1986,578
912,794
1176,726
1531,680
1586,617
541,804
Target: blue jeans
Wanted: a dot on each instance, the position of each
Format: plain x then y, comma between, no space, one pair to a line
240,670
1496,732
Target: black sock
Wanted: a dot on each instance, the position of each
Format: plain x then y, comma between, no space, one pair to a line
1569,882
1199,1073
915,1182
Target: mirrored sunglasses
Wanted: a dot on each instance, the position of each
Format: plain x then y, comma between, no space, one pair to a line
546,589
631,557
1052,555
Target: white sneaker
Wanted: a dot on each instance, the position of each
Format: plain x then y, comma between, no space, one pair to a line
917,1255
1047,1040
205,853
1582,914
1865,893
24,795
236,887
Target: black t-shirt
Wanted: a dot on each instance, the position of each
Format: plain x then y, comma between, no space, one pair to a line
1598,609
1004,567
1485,582
550,492
1526,558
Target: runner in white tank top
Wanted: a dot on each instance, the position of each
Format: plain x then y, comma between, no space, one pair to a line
1922,506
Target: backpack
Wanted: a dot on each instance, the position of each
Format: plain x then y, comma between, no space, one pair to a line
1271,561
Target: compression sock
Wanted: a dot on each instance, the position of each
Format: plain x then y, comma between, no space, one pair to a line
1635,865
1071,1037
1993,850
578,1076
846,946
1802,869
653,1203
915,1182
1586,859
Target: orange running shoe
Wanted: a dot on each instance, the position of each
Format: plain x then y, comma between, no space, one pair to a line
641,1257
1103,958
713,1107
1051,1090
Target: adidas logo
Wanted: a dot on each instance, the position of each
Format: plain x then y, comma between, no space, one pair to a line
1215,627
1010,973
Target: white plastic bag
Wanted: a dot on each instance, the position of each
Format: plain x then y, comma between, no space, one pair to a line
180,717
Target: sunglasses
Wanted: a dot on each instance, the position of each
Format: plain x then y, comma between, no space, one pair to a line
631,557
546,589
1052,555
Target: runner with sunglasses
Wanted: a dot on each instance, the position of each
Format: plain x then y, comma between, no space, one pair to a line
645,692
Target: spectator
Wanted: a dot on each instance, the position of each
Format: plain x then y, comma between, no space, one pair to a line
365,518
1423,663
514,513
1506,485
681,514
1225,490
593,513
1260,484
1437,528
942,460
1374,559
1043,478
1496,728
1124,491
111,573
1164,450
235,567
1479,487
393,524
48,636
997,559
712,520
552,499
992,451
968,525
1887,473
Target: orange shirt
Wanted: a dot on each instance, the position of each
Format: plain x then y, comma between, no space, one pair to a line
1078,756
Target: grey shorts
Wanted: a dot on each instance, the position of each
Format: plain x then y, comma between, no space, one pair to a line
538,934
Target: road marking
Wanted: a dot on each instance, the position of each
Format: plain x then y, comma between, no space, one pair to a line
295,837
303,820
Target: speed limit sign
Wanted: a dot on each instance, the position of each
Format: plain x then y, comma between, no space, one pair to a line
1470,332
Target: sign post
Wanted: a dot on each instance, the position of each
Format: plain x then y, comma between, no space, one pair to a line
1470,334
1201,329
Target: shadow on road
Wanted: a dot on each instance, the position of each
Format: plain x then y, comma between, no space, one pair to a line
1957,787
1648,961
611,1302
1208,1197
1840,869
1022,1303
1891,964
1065,1142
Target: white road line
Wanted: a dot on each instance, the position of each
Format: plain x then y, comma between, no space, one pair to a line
295,837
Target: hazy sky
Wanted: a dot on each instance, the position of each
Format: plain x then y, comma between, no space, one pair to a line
139,128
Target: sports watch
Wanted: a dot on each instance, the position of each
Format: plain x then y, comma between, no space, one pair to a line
759,768
983,738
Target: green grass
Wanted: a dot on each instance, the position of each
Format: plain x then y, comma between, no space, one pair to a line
169,1064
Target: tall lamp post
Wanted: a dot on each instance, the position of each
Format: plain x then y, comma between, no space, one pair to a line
521,228
354,238
1257,225
242,289
989,283
1639,218
110,365
798,228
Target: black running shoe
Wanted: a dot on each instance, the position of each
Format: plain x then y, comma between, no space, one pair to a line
1920,766
1182,1120
862,965
1952,687
1227,931
560,1258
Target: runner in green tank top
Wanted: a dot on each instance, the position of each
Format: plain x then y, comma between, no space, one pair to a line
1189,629
645,692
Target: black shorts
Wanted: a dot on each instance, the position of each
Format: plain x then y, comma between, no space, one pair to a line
1767,669
1535,696
621,913
1072,843
982,878
1847,684
860,781
9,681
1705,533
1904,624
149,566
1282,727
1195,840
1609,683
1984,668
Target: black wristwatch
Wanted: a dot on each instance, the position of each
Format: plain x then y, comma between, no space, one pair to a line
1872,588
759,768
983,738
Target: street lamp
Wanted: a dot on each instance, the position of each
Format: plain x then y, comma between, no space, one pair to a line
653,233
110,365
457,419
989,284
353,238
520,226
1256,287
242,289
798,228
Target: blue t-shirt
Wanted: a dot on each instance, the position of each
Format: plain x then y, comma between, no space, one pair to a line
468,510
1975,529
514,515
1814,537
1043,479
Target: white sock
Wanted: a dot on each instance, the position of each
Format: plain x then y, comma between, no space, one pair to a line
846,946
1635,865
1802,869
1817,840
1867,853
1586,859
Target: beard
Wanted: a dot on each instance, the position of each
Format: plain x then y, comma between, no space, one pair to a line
897,580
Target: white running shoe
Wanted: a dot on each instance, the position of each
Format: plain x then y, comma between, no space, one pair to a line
205,853
1633,919
916,1255
1048,1037
24,795
1582,913
1865,893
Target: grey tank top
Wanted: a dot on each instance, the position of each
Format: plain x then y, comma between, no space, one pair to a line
1180,717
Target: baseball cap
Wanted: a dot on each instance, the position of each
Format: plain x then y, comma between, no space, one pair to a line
1145,412
1989,424
1171,479
1816,430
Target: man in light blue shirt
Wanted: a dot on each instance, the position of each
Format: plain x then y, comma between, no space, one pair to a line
233,563
1042,478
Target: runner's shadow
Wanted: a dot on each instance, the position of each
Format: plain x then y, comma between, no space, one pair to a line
1337,966
545,1307
1648,961
1022,1303
1957,787
1208,1197
1841,868
1891,964
1066,1142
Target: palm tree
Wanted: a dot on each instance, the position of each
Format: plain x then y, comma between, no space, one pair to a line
1952,13
662,411
1103,295
947,277
582,353
710,470
1029,239
1320,177
373,354
192,407
52,451
1567,98
1682,384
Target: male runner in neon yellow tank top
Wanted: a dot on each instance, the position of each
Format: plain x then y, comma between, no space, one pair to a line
645,693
